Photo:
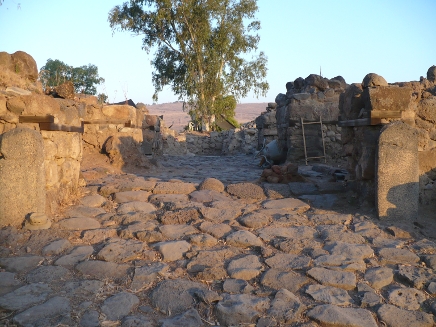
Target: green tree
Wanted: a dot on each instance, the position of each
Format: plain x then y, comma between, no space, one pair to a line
201,48
85,78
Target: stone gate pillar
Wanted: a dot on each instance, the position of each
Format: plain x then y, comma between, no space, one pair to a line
398,172
22,175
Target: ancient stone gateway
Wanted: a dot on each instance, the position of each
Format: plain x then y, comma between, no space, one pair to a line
22,175
398,172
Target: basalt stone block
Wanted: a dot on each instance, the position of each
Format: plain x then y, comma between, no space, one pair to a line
398,173
387,98
22,175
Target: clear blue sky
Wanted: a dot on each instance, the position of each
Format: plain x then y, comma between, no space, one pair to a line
393,38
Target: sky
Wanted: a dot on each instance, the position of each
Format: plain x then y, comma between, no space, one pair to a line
393,38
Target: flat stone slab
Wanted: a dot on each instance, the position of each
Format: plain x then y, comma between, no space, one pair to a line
379,277
158,199
119,250
173,188
286,307
246,191
78,223
25,296
85,211
8,283
172,250
136,206
238,309
293,232
415,276
244,268
207,196
131,196
393,316
77,255
203,240
283,278
340,262
397,256
298,188
54,312
331,219
49,275
407,298
243,239
98,235
331,315
56,247
173,232
329,294
321,201
237,286
102,269
288,261
255,220
20,264
276,191
119,305
349,250
342,279
147,274
222,211
288,204
93,201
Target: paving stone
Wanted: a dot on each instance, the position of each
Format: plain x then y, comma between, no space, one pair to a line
415,276
425,246
173,188
331,219
379,277
340,262
237,286
93,201
368,297
255,220
203,240
296,245
361,226
78,223
288,204
381,242
330,187
222,211
288,261
119,250
189,318
49,275
207,196
8,283
431,288
137,321
25,296
78,254
135,184
299,232
331,315
119,305
172,250
282,278
406,298
56,247
393,316
397,256
147,274
243,239
430,260
301,188
321,201
180,217
87,288
329,294
207,259
349,250
20,264
133,230
54,312
216,230
211,183
244,268
333,233
246,191
84,211
342,279
94,236
135,206
175,296
240,309
90,319
131,196
286,307
160,199
102,269
276,191
398,232
173,232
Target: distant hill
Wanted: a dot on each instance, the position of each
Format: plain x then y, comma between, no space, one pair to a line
174,115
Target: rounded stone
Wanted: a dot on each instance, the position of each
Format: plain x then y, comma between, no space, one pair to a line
431,74
37,221
371,80
211,184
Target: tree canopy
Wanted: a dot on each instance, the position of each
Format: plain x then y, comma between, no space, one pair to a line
201,48
85,78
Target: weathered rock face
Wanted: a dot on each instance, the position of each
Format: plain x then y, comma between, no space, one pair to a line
22,175
398,172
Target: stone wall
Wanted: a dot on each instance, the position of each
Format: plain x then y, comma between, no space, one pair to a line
414,103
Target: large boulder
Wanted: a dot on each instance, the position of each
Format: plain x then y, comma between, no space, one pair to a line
317,81
431,74
372,79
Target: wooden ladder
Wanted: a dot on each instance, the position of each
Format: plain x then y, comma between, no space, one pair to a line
304,139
